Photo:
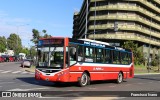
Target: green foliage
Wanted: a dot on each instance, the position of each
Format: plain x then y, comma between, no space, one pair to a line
36,35
47,36
14,43
25,50
154,62
32,52
138,55
44,31
3,44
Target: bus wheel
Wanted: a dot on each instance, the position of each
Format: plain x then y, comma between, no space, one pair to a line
120,78
84,80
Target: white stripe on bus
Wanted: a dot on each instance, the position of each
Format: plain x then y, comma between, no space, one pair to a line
102,65
98,72
76,72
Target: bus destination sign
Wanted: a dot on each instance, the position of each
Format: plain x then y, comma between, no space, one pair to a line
50,42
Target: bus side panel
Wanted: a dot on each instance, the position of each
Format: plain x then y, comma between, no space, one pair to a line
77,71
105,73
97,76
74,76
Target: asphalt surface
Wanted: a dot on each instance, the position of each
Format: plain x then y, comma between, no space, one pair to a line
13,78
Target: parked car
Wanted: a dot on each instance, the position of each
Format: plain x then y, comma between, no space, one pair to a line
11,59
15,58
27,63
6,58
1,59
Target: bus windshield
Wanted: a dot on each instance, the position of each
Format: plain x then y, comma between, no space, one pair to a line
50,57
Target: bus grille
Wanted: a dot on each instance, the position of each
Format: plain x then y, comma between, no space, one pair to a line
49,71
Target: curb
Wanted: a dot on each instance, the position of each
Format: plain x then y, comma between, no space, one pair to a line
148,74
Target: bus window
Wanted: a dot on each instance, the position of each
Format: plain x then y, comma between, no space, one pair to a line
116,56
108,58
56,56
124,58
99,57
72,55
129,58
88,54
80,53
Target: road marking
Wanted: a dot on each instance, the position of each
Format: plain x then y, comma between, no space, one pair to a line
1,70
6,71
150,82
16,72
24,72
6,82
18,89
32,73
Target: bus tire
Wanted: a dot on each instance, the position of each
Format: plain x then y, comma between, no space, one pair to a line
84,80
120,78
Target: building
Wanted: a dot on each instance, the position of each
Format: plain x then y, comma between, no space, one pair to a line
8,52
117,21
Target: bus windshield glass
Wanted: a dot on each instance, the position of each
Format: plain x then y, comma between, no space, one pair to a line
50,57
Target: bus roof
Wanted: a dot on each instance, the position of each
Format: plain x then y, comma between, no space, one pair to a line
89,40
95,42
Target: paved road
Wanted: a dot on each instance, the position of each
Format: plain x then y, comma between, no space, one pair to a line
14,78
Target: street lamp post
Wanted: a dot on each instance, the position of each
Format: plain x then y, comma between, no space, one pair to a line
86,18
159,58
95,19
149,60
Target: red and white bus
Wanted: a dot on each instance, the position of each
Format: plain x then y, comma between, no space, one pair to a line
69,60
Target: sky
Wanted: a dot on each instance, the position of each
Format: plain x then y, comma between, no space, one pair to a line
21,16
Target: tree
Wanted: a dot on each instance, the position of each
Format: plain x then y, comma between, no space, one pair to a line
32,52
44,31
36,36
3,44
138,55
25,50
45,34
14,43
